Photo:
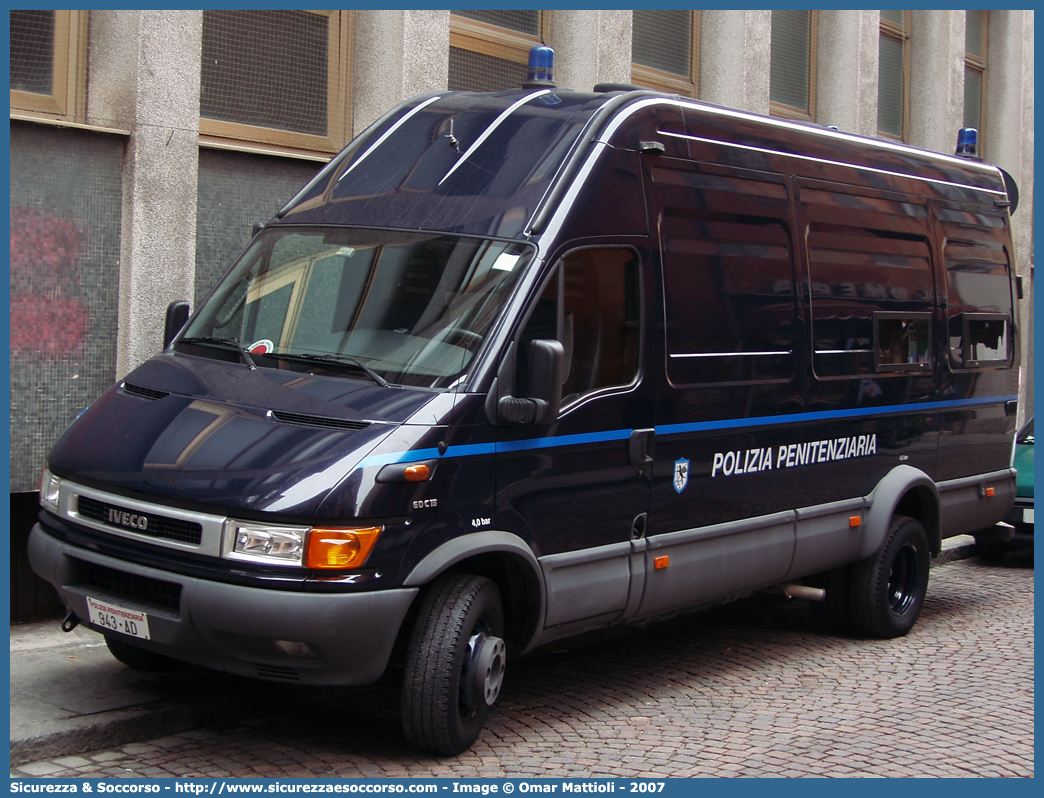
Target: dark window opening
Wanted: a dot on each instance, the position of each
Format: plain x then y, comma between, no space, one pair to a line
984,340
902,342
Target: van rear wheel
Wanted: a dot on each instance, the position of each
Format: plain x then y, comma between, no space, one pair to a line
454,664
888,588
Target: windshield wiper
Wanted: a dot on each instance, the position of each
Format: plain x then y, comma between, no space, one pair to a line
232,342
337,360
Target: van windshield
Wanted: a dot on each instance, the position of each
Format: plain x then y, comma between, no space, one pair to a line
401,308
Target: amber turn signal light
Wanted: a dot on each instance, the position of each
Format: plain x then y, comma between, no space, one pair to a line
340,548
417,473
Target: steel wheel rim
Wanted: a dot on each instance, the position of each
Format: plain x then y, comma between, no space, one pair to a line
483,672
902,580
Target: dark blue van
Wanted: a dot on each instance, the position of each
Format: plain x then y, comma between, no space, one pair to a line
520,365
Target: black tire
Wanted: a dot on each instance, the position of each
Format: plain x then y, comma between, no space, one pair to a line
139,659
888,588
454,664
834,612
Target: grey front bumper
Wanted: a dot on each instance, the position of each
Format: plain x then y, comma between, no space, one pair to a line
347,637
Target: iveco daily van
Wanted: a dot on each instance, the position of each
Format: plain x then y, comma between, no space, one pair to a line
520,365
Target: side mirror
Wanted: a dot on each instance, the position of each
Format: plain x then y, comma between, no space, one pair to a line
546,363
177,315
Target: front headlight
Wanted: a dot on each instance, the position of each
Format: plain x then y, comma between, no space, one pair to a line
325,549
50,490
265,543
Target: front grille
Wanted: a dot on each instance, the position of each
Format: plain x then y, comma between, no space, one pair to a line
157,526
119,585
144,393
318,421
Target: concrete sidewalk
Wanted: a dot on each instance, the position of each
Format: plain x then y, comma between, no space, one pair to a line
69,696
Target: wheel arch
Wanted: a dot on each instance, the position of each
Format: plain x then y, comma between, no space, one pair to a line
505,559
908,491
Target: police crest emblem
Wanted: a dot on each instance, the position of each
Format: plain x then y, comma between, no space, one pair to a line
681,474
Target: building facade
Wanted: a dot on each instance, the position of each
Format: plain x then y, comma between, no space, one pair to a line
146,144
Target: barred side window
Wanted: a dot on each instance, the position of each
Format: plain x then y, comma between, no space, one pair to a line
49,63
975,36
792,89
489,50
894,75
277,77
664,50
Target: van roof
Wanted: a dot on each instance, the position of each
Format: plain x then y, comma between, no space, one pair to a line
486,163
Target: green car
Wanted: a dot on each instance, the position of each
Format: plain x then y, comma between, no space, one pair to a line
1021,516
992,546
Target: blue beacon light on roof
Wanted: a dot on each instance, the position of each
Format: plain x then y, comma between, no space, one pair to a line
540,72
967,142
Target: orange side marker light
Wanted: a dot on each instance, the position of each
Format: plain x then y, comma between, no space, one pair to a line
661,562
418,473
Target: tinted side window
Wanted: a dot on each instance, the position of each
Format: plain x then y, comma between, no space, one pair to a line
592,305
854,274
871,290
728,273
729,297
978,289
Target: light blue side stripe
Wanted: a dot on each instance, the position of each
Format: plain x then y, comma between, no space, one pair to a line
531,444
416,455
563,440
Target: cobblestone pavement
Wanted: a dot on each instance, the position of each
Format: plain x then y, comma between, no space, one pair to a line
751,690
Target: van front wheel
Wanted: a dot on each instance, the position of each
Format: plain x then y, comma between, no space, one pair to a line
888,589
454,664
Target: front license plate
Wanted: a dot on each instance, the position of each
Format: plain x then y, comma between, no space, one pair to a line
118,619
1027,515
